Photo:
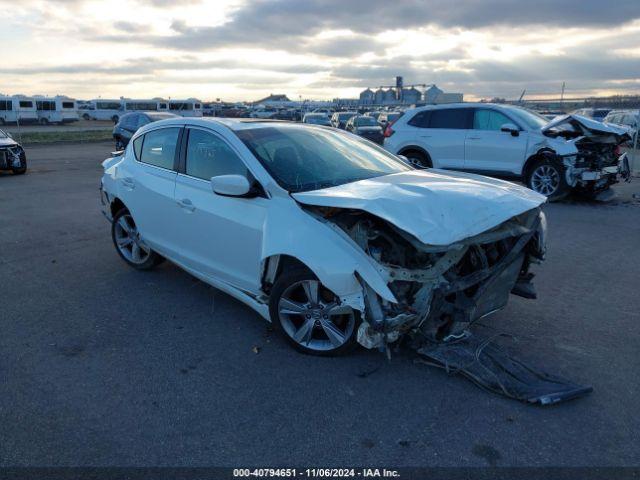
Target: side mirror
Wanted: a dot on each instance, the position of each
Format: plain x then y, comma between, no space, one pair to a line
231,185
510,128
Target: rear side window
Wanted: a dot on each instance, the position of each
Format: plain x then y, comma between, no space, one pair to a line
68,105
484,119
159,147
421,119
209,156
453,118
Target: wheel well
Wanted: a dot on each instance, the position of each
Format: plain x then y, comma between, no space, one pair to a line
414,149
282,264
116,206
534,158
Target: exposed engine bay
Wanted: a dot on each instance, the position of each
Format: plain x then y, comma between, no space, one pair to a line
440,290
11,157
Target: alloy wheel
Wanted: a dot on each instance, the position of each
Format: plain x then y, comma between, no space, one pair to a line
545,180
313,317
128,241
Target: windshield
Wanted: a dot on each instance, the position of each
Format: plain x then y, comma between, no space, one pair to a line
532,120
366,122
308,158
3,134
317,120
345,116
160,116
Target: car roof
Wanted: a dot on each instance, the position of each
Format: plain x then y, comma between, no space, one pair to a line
235,124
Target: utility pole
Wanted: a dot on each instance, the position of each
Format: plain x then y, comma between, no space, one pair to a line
562,93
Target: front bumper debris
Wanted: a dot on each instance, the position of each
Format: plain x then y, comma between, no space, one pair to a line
488,364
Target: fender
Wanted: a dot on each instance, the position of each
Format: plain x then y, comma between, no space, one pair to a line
331,255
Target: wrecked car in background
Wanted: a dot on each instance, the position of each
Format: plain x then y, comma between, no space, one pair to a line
12,155
331,238
598,161
552,158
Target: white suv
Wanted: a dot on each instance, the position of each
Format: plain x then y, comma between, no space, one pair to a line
505,140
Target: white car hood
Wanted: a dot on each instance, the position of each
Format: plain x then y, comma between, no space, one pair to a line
588,124
437,207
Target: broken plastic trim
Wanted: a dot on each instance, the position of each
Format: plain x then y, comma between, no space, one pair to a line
490,366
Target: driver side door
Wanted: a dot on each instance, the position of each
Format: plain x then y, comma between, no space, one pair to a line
219,236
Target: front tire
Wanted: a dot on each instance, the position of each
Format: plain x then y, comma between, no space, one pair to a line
547,178
129,245
22,169
310,316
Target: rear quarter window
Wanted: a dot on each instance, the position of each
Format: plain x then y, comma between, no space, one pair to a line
137,147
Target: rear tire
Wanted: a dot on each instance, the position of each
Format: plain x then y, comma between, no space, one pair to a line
129,245
418,159
547,177
310,316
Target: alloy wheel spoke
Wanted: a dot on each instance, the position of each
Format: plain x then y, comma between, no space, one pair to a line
124,225
336,337
337,309
304,333
311,290
289,307
124,241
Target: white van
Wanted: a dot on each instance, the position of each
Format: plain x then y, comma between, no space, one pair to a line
145,105
17,108
103,109
59,109
191,107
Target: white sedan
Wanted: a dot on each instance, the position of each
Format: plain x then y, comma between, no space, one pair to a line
325,234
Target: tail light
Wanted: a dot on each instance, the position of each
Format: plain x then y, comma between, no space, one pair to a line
388,131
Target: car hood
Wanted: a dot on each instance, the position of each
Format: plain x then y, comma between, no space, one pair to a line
7,142
587,124
436,207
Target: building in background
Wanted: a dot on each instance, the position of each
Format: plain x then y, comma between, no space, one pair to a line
401,94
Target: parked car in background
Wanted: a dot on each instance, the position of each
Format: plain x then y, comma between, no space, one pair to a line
386,118
328,236
317,119
58,109
366,127
263,112
570,152
12,156
129,123
594,113
325,111
374,114
625,118
340,119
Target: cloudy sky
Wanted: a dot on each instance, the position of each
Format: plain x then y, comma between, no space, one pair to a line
321,49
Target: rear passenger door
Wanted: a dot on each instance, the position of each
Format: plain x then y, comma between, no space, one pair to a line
444,137
220,236
147,185
489,149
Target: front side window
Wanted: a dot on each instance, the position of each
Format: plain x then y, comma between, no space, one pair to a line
159,147
451,118
68,105
210,156
137,147
302,159
25,104
484,119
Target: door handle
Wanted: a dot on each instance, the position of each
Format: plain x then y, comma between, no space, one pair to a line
426,136
186,204
474,138
128,183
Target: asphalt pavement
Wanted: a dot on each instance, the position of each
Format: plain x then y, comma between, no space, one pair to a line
103,365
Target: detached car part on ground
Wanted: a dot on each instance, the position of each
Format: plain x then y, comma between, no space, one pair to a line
12,155
331,238
594,167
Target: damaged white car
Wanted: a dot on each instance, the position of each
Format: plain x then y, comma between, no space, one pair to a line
328,236
552,158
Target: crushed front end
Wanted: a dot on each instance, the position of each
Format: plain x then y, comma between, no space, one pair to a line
441,290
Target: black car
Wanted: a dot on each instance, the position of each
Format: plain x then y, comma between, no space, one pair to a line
12,156
129,123
366,127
